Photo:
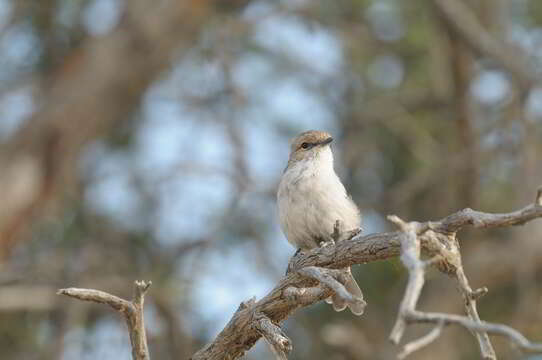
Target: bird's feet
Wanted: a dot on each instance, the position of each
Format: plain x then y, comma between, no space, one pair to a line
339,235
328,242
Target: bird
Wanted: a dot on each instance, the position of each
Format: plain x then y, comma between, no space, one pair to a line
312,202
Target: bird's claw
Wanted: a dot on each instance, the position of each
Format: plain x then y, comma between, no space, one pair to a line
329,242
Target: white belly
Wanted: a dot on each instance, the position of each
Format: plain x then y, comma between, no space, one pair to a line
310,200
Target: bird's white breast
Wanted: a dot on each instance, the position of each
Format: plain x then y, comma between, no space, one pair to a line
311,198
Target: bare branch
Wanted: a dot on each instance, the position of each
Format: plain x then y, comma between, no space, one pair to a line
279,343
421,342
410,256
329,277
299,289
313,277
440,238
98,296
486,348
477,219
131,310
136,324
305,295
482,326
478,293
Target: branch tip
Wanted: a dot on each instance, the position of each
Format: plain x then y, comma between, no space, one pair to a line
142,286
421,342
279,343
397,221
478,293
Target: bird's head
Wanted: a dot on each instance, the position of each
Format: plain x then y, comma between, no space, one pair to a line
310,145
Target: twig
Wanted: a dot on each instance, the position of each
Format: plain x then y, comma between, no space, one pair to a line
478,293
329,277
482,326
421,342
410,256
486,348
131,310
279,343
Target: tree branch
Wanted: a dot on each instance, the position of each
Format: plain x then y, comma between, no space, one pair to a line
421,342
481,326
132,311
445,244
279,343
295,290
469,299
313,276
333,279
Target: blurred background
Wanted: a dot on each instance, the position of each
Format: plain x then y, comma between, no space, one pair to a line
145,140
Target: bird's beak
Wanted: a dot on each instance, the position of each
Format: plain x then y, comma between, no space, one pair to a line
326,141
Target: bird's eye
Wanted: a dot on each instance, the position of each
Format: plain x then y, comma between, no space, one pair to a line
305,145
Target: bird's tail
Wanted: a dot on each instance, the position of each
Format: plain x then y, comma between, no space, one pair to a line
339,304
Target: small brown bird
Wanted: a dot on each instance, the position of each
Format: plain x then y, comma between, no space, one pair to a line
311,198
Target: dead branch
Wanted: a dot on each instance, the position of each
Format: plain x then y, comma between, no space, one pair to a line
299,289
421,342
332,278
313,276
132,311
446,246
279,343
